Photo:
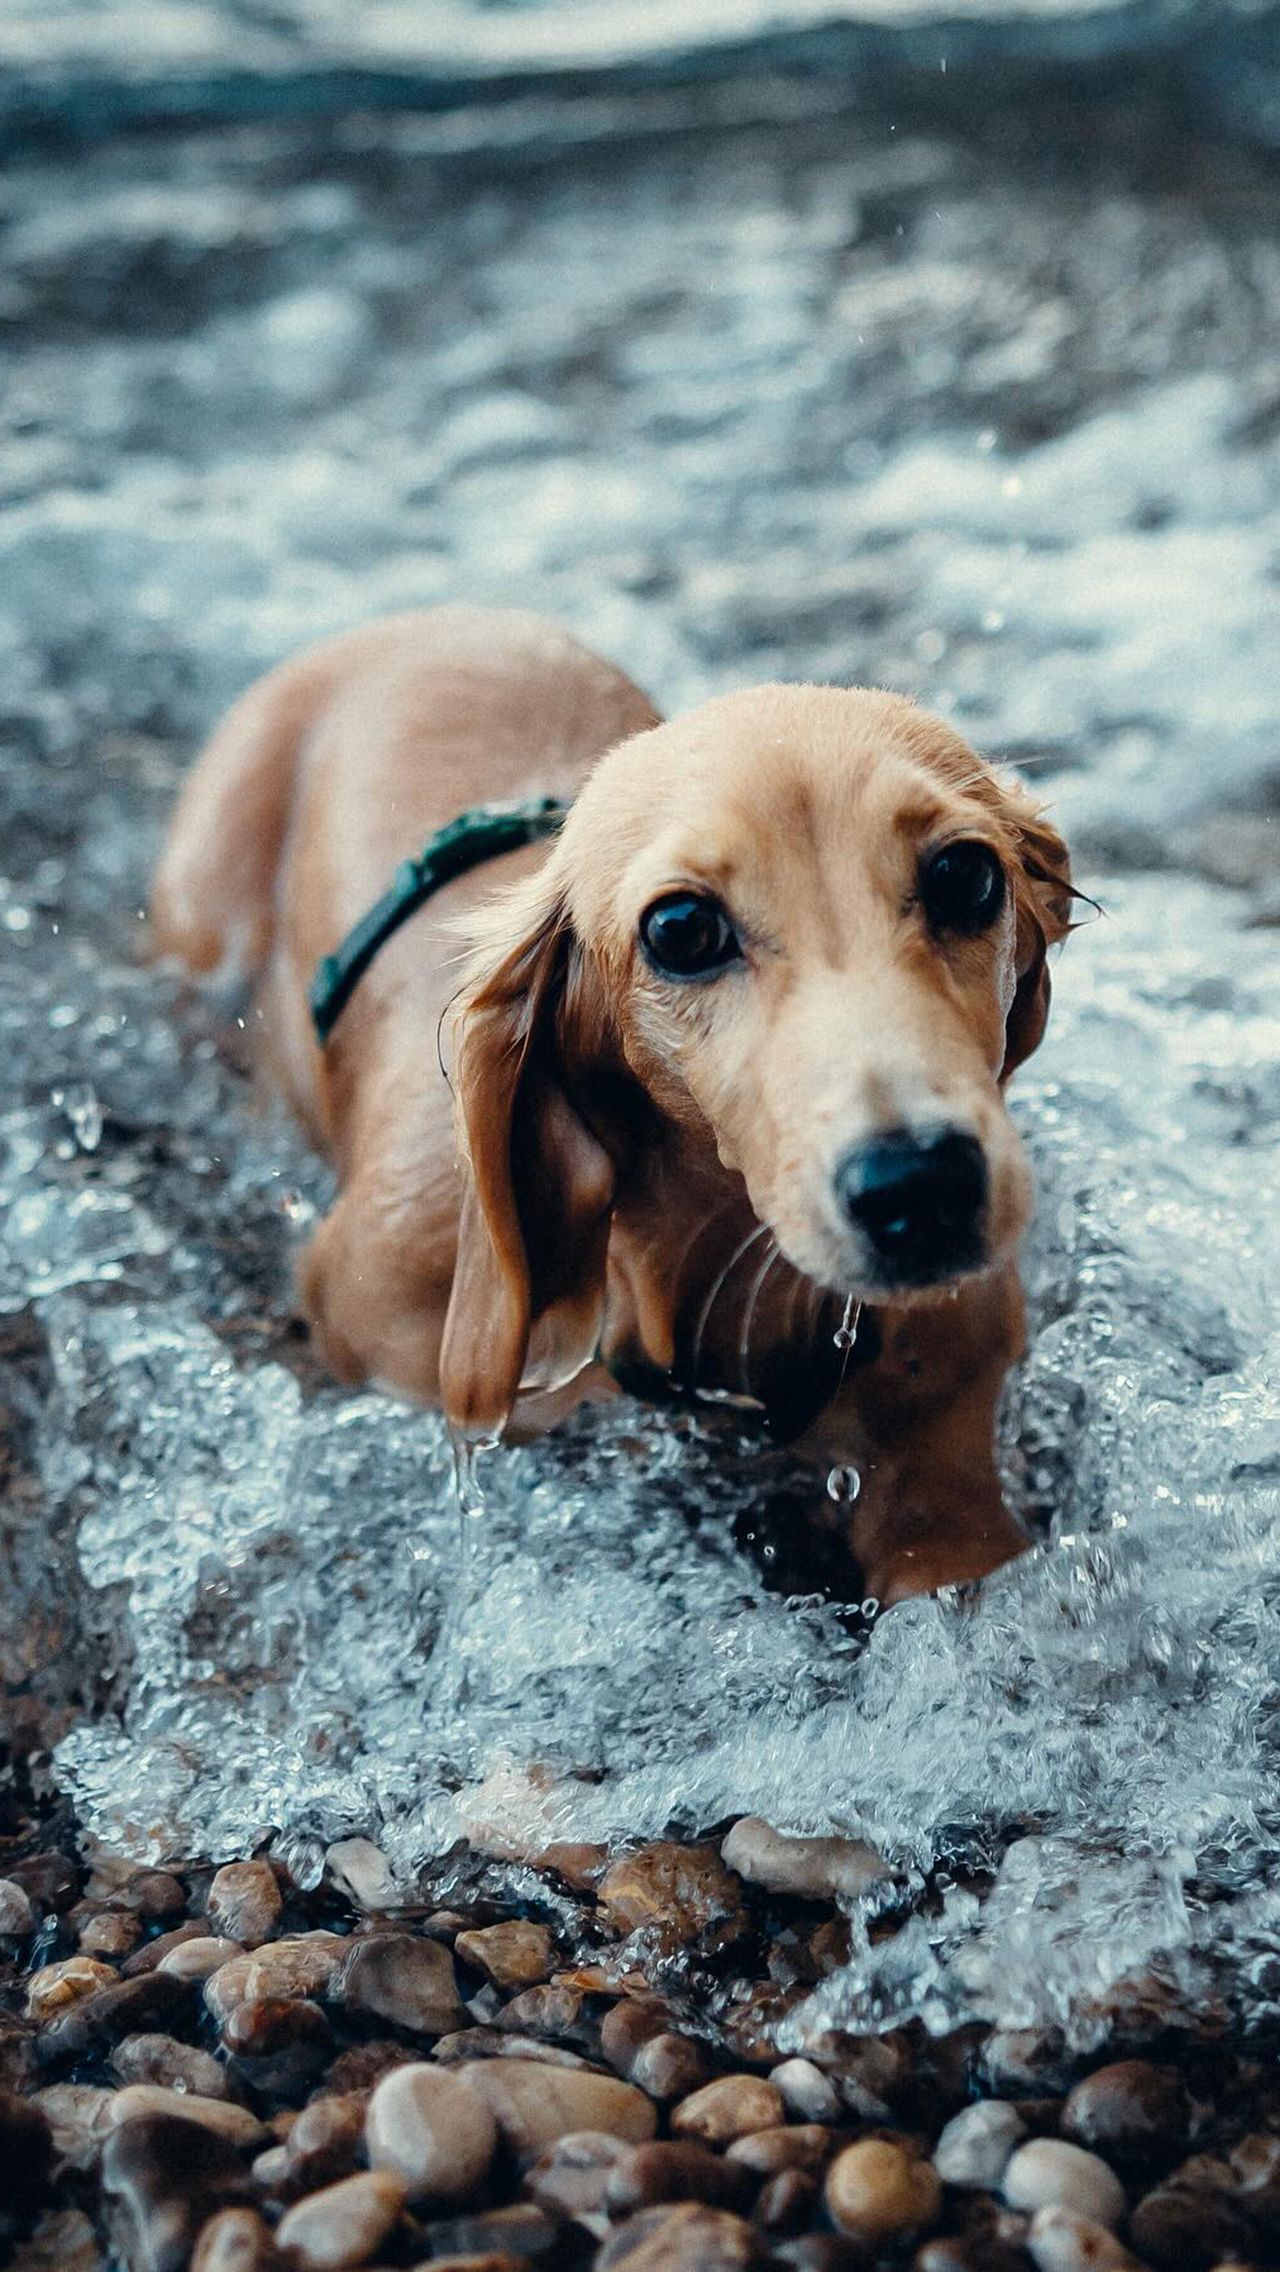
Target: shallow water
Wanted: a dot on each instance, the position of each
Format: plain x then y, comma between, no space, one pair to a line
1001,435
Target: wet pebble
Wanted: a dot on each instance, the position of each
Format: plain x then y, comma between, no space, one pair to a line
670,2066
878,2192
1060,2240
111,1933
786,2202
570,2179
516,1954
326,2141
685,2239
151,1954
806,2091
554,2011
176,2066
534,2104
199,1959
976,2145
405,1980
57,1986
433,2131
670,2170
1052,2173
162,2180
245,1903
1026,2062
1179,2229
150,2004
17,1917
363,1871
236,2240
1136,2113
79,2116
302,1964
817,1869
343,2225
806,2145
729,2108
521,2231
279,2046
219,2115
62,2241
684,1894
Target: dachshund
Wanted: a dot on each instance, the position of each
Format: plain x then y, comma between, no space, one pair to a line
730,1049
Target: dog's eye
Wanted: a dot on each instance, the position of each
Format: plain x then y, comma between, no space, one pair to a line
962,887
687,936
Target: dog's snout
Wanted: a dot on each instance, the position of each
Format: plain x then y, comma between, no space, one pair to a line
919,1200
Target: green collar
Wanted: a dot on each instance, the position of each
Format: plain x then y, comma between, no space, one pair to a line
481,834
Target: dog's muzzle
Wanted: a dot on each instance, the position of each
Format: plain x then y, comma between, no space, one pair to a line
918,1200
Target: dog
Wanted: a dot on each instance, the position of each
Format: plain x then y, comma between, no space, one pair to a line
730,1049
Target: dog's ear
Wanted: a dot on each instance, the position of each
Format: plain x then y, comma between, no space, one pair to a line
1042,898
527,1300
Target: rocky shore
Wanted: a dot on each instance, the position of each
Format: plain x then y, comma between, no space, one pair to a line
219,2069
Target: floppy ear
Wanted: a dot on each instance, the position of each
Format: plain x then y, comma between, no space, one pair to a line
1042,895
528,1287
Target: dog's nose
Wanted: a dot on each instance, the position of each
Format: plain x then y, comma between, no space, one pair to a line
918,1200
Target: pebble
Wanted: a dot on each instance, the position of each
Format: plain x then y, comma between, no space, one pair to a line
670,2066
199,1959
806,2145
730,2108
363,1871
402,1979
57,1986
976,2145
64,2241
787,2201
553,2010
153,1894
1061,2240
26,2152
217,2114
278,2047
343,2225
303,1964
816,1869
1026,2062
326,2141
628,2025
1052,2173
878,2192
433,2131
534,2104
669,2170
1136,2113
151,1955
245,1903
236,2240
686,2239
1179,2230
518,2232
684,1893
806,2091
518,1954
79,2116
152,2003
570,2179
112,1932
17,1917
162,2180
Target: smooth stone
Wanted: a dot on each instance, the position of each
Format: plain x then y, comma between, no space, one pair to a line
363,1871
303,1964
628,2025
786,2202
56,1987
402,1979
343,2225
26,2152
874,2075
199,1959
517,1954
17,1917
1061,2240
534,2104
1179,2230
669,2067
63,2241
326,2141
151,1955
270,2170
817,1869
553,2010
79,2116
113,1932
153,1894
175,2066
245,1903
217,2114
431,2128
521,2231
671,2170
878,2192
806,2091
1026,2062
472,2043
684,1893
685,2239
363,2066
235,2240
162,2180
150,2004
279,2047
570,2179
1133,2111
1050,2173
805,2145
727,2109
975,2146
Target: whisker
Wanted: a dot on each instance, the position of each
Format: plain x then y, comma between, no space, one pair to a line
744,1338
717,1285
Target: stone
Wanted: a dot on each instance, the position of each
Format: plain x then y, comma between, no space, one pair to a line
1135,2112
151,1955
533,2104
152,1894
673,2170
26,2153
199,1959
326,2141
176,2066
805,2145
405,1980
727,2109
519,2232
684,1895
1026,2062
79,2117
873,2074
17,1917
685,2239
554,2010
431,2129
303,1964
245,1903
816,1869
363,2065
110,1933
151,2004
162,2180
343,2225
217,2114
57,1986
363,1871
878,2192
235,2240
1061,2240
516,1954
670,2066
974,2148
1052,2173
62,2241
570,2178
471,2043
787,2201
628,2025
1177,2229
806,2091
278,2047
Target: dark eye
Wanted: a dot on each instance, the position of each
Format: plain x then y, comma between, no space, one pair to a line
687,936
962,887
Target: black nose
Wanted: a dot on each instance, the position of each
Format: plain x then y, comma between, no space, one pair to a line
918,1201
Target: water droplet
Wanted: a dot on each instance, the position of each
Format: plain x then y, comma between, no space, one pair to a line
843,1485
83,1109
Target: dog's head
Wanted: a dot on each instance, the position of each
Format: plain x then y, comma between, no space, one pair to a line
803,925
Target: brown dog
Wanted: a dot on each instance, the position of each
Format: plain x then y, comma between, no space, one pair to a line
729,1053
